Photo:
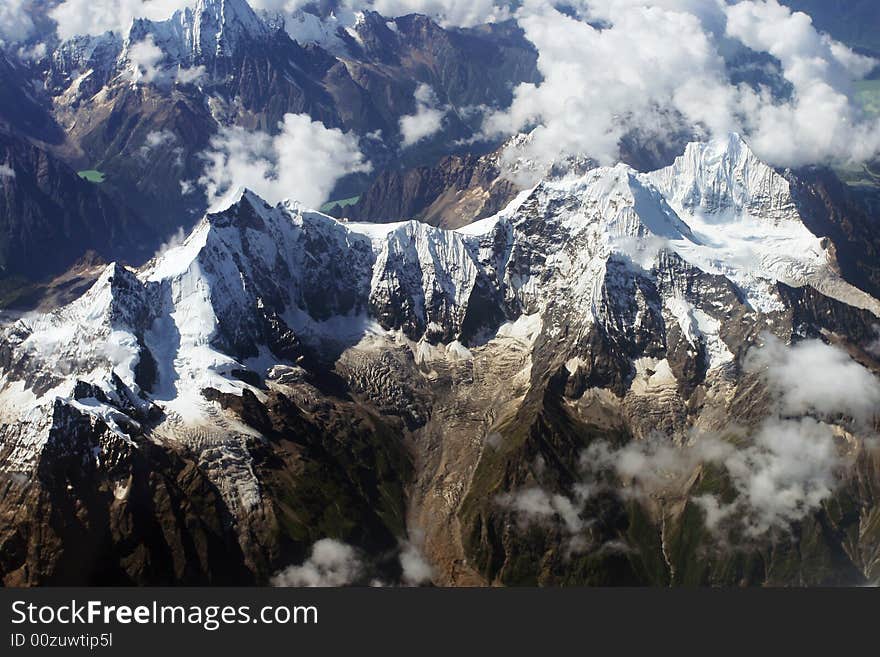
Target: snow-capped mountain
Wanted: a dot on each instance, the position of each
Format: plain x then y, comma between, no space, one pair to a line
613,300
170,87
211,29
207,33
714,178
207,30
256,284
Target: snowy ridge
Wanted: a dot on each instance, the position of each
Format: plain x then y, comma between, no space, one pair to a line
254,287
245,291
214,28
305,27
723,177
210,30
201,33
747,225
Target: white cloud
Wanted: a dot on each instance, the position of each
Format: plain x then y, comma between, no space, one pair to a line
414,567
6,171
176,239
94,17
332,563
144,57
654,465
33,53
786,469
15,21
190,75
303,162
656,66
820,122
535,503
782,470
428,119
800,375
792,467
873,347
805,53
714,512
600,83
156,139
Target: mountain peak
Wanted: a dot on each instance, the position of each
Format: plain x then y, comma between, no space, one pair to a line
208,30
723,176
234,197
229,12
217,26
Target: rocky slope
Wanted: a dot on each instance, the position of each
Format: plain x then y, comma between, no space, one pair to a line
460,189
456,191
283,377
22,109
142,107
221,64
50,218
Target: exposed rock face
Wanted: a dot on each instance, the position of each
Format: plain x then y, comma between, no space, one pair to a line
461,189
832,211
103,509
452,194
222,64
21,110
468,67
49,217
288,377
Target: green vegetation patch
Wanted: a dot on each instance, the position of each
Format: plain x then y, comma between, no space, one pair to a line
342,203
93,176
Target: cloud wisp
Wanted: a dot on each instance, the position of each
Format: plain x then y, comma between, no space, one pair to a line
800,374
303,162
427,120
332,563
144,58
620,66
781,470
414,567
15,21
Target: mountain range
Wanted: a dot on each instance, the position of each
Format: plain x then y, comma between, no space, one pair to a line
98,107
470,367
281,376
144,107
